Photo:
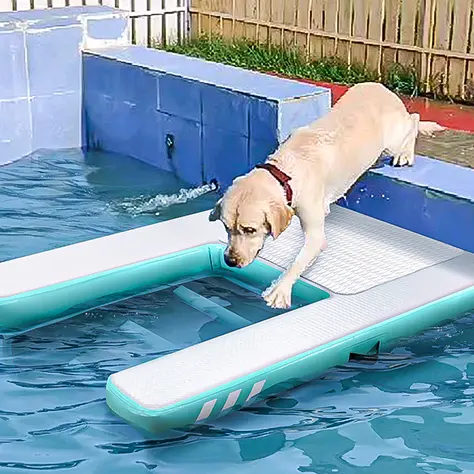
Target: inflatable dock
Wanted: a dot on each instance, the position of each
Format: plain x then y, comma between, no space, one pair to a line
374,284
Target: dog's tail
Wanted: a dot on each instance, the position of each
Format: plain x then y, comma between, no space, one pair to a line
430,128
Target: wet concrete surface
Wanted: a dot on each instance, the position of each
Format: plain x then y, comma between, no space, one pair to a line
452,146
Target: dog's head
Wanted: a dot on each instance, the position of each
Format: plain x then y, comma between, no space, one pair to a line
250,214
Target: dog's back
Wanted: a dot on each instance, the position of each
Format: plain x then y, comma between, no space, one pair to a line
367,120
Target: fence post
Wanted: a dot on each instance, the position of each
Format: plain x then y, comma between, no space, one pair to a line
187,20
427,22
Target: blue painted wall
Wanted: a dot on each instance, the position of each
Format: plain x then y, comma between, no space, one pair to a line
433,198
41,76
221,120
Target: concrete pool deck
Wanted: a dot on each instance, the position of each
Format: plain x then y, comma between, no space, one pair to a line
456,145
453,146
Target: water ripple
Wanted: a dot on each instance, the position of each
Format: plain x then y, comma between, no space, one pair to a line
412,411
42,466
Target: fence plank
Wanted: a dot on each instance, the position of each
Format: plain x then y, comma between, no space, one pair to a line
124,4
303,22
469,82
227,27
392,13
289,18
202,18
343,49
316,23
427,22
409,22
155,26
40,4
140,25
195,20
251,11
23,5
276,18
6,5
359,30
375,20
439,63
460,37
330,25
205,24
264,12
239,12
214,20
58,3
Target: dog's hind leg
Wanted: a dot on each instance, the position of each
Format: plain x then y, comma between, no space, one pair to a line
430,128
405,154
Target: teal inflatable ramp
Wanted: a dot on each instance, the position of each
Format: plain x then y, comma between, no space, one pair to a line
374,284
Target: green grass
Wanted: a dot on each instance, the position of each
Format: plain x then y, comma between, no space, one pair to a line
290,62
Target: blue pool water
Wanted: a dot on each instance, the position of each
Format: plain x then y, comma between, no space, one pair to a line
410,413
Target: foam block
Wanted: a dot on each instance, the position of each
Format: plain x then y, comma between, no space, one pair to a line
59,72
13,78
40,53
15,129
57,121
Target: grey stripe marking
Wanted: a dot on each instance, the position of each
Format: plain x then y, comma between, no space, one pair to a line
256,389
232,399
206,410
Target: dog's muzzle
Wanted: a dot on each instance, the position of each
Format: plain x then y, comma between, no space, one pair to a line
230,261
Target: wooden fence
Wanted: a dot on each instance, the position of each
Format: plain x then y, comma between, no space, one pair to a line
152,20
435,37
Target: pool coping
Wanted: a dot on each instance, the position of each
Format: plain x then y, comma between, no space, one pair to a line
436,175
158,61
452,116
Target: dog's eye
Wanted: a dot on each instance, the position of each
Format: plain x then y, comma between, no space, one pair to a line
249,230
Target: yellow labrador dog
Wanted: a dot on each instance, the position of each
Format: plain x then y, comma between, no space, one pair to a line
314,168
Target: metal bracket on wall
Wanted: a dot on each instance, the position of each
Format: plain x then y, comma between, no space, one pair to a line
170,145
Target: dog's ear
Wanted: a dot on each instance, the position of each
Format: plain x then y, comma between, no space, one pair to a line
215,214
278,218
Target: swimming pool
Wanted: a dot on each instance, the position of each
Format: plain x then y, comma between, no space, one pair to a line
411,412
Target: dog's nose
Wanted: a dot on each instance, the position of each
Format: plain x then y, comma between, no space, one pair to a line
230,260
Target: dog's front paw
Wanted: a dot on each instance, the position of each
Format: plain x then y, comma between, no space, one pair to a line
278,296
324,246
